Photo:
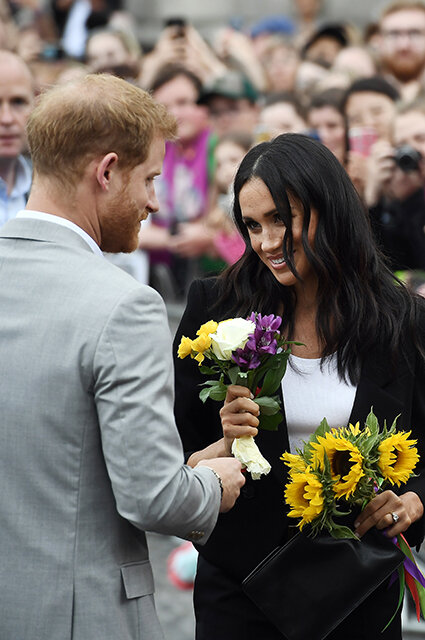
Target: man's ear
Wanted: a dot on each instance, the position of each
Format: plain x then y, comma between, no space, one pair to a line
105,168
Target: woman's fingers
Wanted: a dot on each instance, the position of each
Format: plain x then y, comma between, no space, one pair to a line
386,511
239,415
236,391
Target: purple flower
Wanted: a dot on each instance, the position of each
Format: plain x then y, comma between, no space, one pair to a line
262,342
246,359
266,323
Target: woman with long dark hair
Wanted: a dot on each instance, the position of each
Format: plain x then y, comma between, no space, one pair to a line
310,257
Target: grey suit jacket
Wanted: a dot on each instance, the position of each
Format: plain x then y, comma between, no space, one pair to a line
89,453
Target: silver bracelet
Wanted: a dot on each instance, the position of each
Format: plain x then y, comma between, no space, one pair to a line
219,481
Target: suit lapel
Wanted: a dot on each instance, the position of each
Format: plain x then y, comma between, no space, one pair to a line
378,389
273,443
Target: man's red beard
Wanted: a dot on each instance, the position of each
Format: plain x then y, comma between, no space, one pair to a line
405,68
120,226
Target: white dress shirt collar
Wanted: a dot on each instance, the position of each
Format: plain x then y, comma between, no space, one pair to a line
64,222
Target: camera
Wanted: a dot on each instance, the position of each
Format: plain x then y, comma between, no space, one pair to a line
407,158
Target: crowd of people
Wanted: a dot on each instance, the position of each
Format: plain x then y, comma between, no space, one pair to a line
286,159
360,91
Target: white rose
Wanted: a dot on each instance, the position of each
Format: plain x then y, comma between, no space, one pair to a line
230,335
246,451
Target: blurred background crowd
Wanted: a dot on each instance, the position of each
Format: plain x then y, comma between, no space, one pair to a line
234,74
351,78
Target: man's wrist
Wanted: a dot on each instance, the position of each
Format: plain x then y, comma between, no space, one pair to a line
219,481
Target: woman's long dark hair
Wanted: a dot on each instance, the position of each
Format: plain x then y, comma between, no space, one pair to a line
360,303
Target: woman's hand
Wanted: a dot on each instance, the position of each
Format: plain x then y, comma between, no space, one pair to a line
238,415
406,508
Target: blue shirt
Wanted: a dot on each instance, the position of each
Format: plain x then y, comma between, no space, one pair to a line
17,199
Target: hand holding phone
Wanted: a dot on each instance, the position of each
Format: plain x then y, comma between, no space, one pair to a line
361,140
178,25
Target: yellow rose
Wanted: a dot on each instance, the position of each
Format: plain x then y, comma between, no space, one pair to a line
207,328
202,343
185,347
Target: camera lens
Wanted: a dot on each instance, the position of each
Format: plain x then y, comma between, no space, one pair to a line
407,158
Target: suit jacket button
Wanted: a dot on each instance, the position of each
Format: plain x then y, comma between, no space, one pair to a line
196,535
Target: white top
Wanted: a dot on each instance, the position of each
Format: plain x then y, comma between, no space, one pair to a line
311,394
75,32
64,222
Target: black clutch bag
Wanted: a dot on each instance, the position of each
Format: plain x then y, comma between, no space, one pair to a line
308,586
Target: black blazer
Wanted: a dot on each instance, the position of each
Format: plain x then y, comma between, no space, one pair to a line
257,523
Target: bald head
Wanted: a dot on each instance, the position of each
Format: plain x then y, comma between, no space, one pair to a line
12,60
16,102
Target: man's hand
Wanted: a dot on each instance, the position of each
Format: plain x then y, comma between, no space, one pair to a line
232,480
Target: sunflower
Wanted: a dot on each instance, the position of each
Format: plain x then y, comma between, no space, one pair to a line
304,495
398,457
295,463
345,460
353,430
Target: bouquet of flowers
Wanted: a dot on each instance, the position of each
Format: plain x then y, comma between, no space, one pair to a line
249,352
339,471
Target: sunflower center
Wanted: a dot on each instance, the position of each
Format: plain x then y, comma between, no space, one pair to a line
341,464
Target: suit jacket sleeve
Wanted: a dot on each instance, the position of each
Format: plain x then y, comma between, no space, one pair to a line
133,389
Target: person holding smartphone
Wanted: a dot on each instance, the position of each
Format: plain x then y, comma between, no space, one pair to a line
388,175
369,106
398,218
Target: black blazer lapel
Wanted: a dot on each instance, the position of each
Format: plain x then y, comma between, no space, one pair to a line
382,389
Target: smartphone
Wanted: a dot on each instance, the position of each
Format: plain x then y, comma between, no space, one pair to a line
361,139
179,25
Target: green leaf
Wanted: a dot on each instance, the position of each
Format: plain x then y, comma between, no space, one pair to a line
320,431
208,370
268,406
402,583
233,374
270,423
274,375
341,532
218,394
214,389
204,394
394,424
372,423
